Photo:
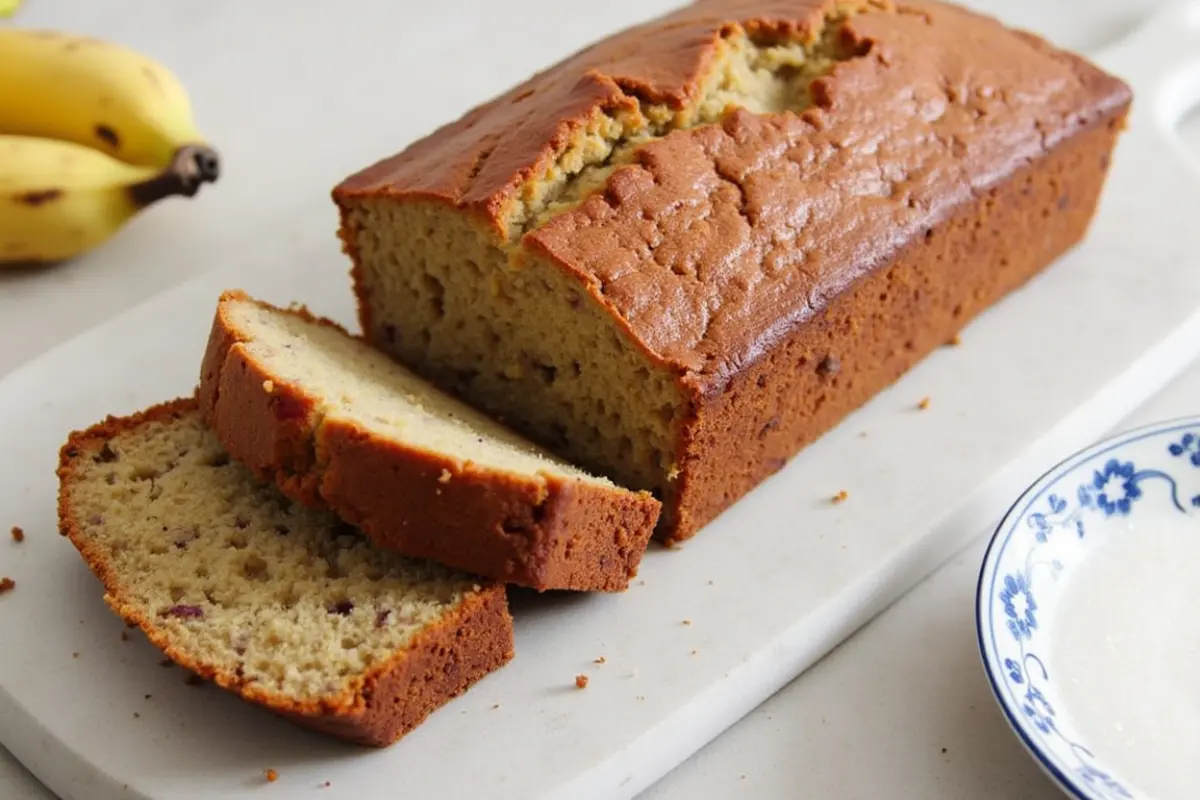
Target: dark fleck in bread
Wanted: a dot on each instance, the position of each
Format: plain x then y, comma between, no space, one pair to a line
336,423
685,252
288,608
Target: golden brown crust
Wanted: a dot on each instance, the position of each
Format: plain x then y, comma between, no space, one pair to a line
479,162
725,252
552,533
389,700
869,336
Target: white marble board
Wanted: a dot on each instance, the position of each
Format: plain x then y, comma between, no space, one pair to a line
768,588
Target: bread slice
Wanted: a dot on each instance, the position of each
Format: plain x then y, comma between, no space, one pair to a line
335,423
289,608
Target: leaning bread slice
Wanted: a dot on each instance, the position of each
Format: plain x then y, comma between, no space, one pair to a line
337,424
289,608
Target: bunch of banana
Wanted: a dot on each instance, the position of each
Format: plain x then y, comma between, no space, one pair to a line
91,133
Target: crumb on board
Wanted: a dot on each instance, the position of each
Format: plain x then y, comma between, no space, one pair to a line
496,706
124,636
599,660
18,534
136,715
945,750
840,497
924,404
271,775
695,651
326,784
7,585
742,777
687,622
581,681
75,655
268,386
149,696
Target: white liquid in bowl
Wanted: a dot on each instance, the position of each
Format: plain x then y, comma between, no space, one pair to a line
1126,657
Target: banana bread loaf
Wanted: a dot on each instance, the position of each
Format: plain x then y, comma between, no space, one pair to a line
288,608
335,423
685,252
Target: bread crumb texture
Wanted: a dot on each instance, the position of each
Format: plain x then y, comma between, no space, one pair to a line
351,382
840,497
581,681
18,534
271,775
7,585
284,601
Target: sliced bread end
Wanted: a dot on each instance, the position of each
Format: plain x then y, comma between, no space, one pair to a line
289,608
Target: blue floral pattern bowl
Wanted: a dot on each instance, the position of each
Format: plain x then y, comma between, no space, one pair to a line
1150,472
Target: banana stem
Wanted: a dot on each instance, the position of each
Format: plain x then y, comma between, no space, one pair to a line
192,166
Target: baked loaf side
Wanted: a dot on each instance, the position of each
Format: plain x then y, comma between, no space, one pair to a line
288,608
337,424
687,251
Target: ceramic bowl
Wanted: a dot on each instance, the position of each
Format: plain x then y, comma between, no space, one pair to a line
1085,610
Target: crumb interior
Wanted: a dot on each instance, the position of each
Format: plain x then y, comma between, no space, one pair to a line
351,381
237,576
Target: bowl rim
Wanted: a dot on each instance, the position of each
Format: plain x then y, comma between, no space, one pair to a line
1000,536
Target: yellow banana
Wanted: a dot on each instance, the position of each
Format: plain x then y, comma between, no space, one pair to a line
95,93
60,199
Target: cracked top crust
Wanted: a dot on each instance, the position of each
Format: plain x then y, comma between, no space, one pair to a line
709,242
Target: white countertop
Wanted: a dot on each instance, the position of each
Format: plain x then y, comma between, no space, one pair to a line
900,710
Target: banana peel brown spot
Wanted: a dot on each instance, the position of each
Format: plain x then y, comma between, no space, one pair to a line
39,197
108,136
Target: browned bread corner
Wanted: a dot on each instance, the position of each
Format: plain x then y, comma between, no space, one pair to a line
289,609
685,252
336,424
